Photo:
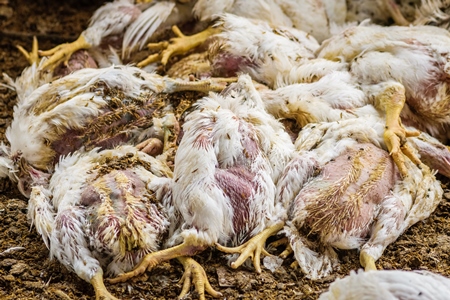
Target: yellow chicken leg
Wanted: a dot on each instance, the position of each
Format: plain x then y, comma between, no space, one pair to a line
33,56
367,261
189,247
215,84
63,52
195,272
177,45
252,248
283,241
101,293
392,100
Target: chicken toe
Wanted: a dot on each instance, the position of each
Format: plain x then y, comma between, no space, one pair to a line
195,272
392,100
285,242
189,247
33,56
63,52
252,248
180,44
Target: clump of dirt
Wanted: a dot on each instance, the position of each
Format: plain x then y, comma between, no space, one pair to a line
27,272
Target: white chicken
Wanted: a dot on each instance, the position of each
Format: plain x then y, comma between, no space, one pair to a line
405,67
86,109
101,210
319,18
32,76
229,159
390,86
389,284
342,190
315,17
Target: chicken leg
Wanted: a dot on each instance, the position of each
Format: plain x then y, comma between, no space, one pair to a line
216,84
367,261
189,247
180,44
194,270
285,242
33,56
101,293
252,248
62,53
400,211
392,100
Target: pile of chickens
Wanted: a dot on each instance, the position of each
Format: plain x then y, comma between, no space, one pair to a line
310,122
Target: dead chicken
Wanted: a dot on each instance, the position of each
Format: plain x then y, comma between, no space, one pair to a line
405,69
86,109
335,97
342,190
102,209
315,17
319,18
32,76
366,74
229,159
269,54
389,284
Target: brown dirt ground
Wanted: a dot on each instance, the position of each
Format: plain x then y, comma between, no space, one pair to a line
27,272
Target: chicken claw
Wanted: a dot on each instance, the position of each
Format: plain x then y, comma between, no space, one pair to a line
63,52
101,293
189,247
180,44
33,56
398,147
393,100
285,242
194,270
252,248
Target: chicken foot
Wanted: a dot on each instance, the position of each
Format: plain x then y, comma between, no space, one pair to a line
286,252
207,85
63,52
33,56
412,200
101,293
285,242
180,44
252,248
392,212
189,247
392,100
195,272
